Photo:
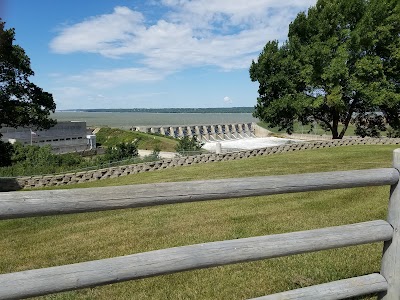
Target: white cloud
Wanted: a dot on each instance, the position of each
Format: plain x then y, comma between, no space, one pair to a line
227,100
68,96
100,33
102,79
84,97
225,34
243,13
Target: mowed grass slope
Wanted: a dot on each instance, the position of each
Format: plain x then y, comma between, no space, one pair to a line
111,136
298,128
49,241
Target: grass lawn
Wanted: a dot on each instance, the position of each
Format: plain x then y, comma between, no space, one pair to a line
111,136
298,128
49,241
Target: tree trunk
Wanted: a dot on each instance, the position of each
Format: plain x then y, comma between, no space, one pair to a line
343,130
346,124
335,125
348,117
335,134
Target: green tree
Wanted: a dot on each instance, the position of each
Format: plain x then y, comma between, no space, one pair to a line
156,151
22,103
31,159
121,151
188,144
340,64
6,150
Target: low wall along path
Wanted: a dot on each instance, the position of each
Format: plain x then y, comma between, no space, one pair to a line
8,184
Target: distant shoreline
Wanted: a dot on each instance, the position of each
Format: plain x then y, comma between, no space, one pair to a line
167,110
128,119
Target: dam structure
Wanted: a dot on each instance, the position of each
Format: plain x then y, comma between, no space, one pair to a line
204,133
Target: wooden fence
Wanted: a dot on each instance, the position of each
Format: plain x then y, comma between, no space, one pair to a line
106,271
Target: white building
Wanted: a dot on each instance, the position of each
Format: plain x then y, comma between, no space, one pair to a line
64,137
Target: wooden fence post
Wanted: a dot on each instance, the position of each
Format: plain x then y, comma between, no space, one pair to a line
390,268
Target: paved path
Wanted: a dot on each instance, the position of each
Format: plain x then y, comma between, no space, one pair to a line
162,153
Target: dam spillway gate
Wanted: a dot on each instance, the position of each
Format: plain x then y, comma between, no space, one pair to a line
204,133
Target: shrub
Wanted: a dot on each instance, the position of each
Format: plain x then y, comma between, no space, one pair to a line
121,151
6,150
188,144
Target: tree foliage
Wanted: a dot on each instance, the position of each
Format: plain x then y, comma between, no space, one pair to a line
188,144
29,160
34,160
5,154
122,151
22,103
340,64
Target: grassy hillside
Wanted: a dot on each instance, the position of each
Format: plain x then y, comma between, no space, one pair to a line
49,241
331,159
112,136
305,129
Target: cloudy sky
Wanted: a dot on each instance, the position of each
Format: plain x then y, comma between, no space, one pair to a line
147,54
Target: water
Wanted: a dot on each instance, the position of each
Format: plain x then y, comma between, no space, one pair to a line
128,119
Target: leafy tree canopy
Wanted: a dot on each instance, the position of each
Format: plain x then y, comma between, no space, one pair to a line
340,64
188,144
22,103
122,151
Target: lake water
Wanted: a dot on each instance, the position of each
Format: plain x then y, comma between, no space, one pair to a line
129,119
126,120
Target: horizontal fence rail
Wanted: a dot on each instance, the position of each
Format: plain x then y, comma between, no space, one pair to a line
341,289
166,261
35,203
87,274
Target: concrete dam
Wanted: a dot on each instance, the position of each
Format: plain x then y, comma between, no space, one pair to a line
205,133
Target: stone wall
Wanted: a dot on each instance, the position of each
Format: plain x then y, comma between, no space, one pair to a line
80,177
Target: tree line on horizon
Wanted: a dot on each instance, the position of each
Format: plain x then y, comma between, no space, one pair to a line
171,110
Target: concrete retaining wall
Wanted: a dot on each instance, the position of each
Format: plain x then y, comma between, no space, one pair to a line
80,177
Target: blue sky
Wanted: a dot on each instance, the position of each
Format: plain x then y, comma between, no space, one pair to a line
147,54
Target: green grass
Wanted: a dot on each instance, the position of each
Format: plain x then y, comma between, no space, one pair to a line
298,128
112,136
332,159
49,241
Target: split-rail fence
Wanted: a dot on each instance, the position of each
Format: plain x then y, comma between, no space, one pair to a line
106,271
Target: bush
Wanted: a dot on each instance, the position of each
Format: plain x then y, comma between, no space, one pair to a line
188,144
6,150
369,125
29,160
121,151
20,160
393,133
155,155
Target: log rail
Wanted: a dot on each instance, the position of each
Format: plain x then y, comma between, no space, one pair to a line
166,261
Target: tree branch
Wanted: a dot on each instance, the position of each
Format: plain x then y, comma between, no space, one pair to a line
348,118
322,120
